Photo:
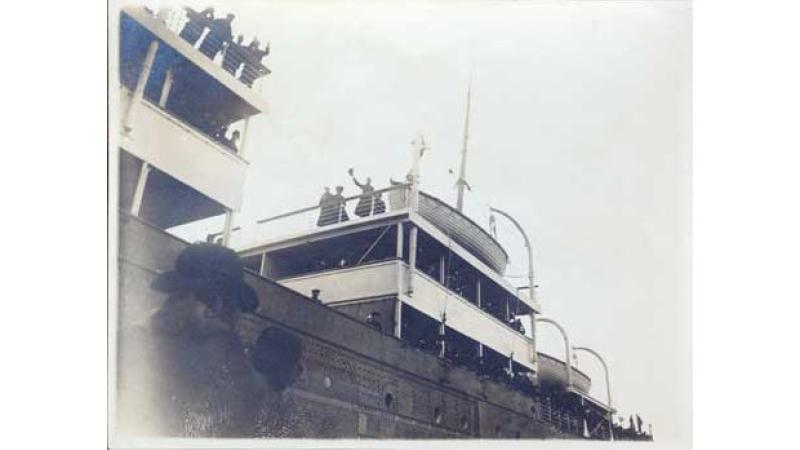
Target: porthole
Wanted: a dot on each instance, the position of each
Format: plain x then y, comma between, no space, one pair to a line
327,382
388,399
437,415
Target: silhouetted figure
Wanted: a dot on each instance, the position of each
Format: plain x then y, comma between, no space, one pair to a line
253,69
233,142
219,35
220,134
639,422
197,23
338,205
328,213
367,202
234,56
373,320
187,374
379,206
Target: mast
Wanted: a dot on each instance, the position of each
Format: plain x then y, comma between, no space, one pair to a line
462,173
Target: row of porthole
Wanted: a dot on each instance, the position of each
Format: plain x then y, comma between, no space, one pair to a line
388,400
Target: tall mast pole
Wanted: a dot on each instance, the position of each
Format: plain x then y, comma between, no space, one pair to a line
461,183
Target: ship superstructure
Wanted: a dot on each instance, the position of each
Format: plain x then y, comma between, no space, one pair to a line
177,161
404,323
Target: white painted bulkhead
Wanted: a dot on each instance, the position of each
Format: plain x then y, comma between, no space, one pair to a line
184,153
385,279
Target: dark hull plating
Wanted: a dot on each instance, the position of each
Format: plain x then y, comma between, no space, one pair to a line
355,381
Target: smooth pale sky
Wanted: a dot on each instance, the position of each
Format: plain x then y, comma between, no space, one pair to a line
580,129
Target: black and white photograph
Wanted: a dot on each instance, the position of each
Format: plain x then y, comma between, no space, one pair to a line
419,222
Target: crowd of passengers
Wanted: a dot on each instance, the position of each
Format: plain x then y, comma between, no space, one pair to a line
634,430
465,356
237,58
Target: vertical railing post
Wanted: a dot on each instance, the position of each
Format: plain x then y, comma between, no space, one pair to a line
398,306
138,193
226,231
245,140
412,257
442,331
262,270
141,83
398,251
398,318
165,89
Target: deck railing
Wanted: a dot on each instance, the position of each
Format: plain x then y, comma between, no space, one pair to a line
337,211
237,63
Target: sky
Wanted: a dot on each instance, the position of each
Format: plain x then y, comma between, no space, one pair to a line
580,129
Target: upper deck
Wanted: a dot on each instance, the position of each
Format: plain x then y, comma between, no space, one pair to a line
377,249
184,116
207,87
443,226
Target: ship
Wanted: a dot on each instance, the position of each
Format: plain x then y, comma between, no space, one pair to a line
394,303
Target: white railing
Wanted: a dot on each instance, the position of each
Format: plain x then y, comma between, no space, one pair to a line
334,212
249,70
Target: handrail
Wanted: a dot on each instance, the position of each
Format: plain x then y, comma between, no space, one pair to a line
202,135
346,199
467,302
176,21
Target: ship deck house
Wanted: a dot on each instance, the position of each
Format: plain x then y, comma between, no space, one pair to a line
164,124
434,278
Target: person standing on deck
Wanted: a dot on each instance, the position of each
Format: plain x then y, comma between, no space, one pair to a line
234,56
367,202
219,35
327,209
253,69
338,206
198,21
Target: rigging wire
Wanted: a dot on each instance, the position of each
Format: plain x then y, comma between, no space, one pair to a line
374,243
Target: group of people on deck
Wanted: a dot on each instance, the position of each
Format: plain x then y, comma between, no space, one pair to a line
219,39
332,206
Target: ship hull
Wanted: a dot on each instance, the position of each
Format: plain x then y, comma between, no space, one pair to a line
355,382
